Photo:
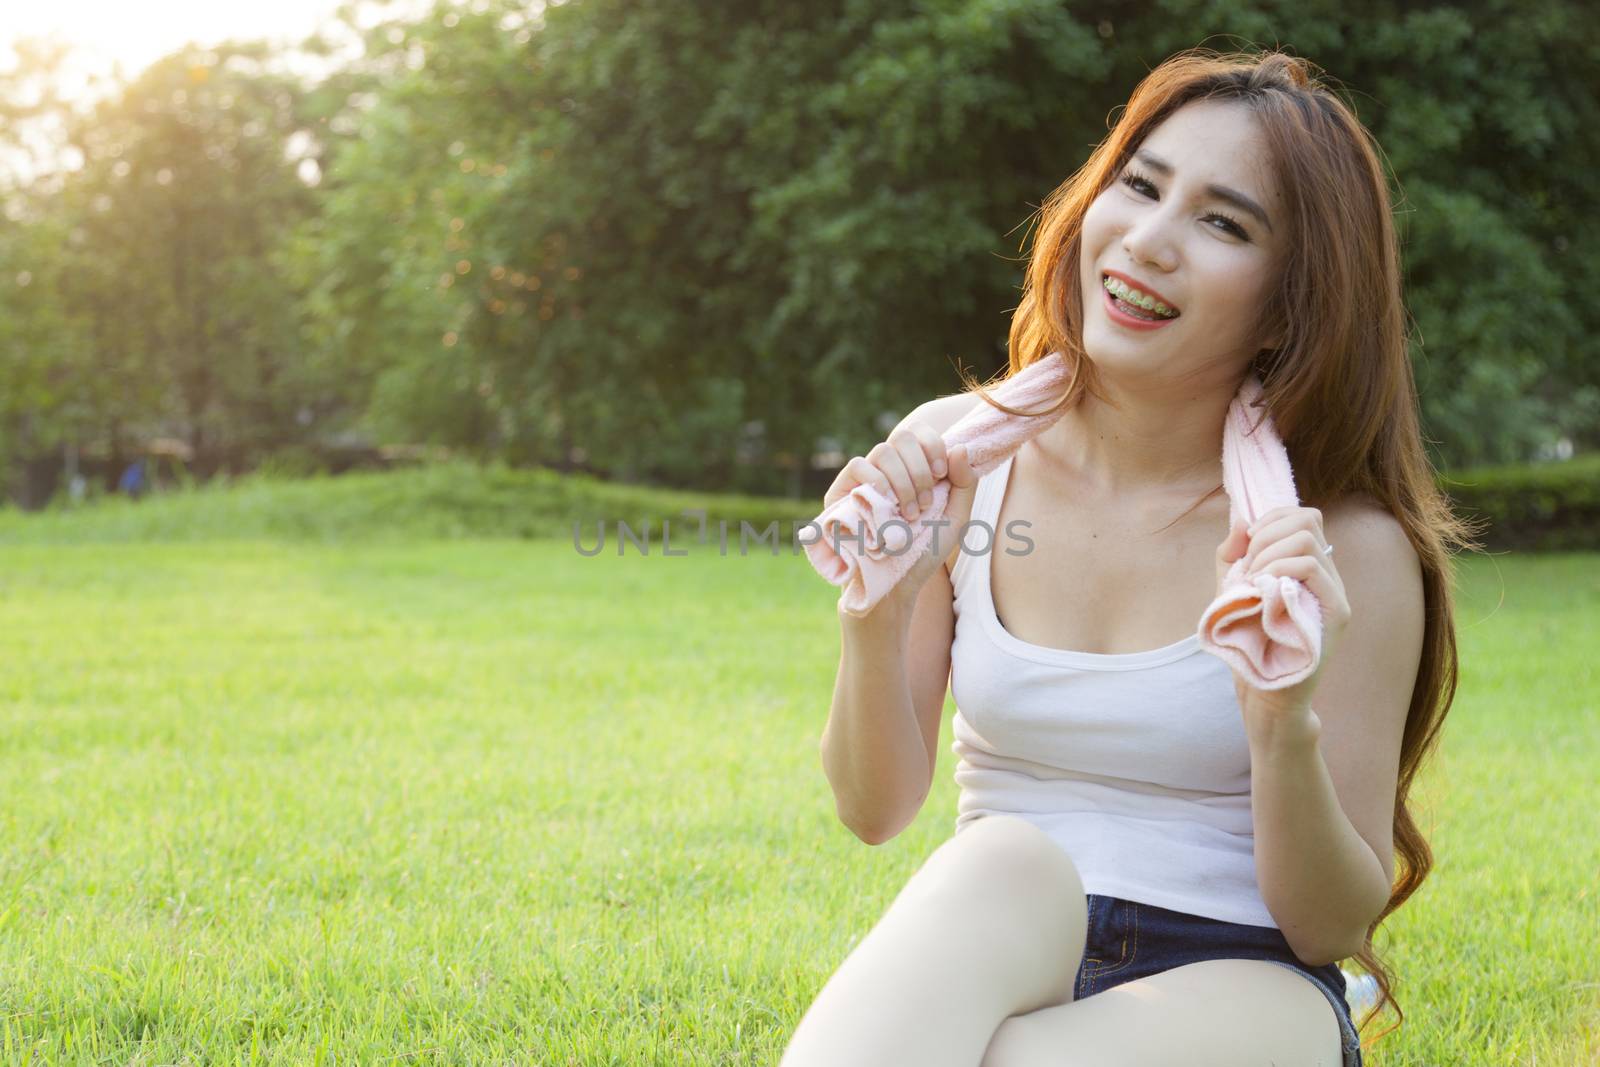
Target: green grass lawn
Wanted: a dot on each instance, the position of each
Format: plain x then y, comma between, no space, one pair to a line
466,799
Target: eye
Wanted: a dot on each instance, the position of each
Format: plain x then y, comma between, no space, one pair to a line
1134,180
1232,224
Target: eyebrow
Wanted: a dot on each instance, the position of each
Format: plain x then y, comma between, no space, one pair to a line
1221,192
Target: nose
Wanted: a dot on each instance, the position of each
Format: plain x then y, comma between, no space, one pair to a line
1147,240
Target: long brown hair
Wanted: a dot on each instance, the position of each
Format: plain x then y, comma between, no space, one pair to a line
1339,387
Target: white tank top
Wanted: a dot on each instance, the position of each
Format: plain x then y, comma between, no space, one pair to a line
1137,763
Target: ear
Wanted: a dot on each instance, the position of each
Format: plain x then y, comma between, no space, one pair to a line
1267,356
1267,352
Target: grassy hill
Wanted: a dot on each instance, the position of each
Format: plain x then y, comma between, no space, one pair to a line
445,500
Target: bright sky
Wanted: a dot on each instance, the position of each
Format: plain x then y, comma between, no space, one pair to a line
135,33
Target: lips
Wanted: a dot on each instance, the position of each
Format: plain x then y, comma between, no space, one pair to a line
1141,286
1129,321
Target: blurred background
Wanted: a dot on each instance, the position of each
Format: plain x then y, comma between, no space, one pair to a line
708,245
322,324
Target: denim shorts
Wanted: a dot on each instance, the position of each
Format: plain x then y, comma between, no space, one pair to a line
1129,940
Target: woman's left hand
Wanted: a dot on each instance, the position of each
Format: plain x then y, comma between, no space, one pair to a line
1287,541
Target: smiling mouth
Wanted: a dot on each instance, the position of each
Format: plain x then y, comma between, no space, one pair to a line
1135,303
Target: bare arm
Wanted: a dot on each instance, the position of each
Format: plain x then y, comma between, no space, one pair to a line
873,749
1323,782
879,748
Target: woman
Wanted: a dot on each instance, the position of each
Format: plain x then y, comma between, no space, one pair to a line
1154,862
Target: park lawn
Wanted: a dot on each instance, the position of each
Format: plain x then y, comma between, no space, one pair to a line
491,801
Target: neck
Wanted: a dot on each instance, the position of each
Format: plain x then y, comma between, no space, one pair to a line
1155,440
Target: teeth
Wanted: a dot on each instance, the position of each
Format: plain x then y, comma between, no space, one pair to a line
1133,296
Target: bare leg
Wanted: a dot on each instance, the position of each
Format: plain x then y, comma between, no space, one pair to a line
1214,1013
992,925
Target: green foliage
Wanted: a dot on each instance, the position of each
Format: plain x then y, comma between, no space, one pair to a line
42,345
811,203
1547,506
157,302
677,240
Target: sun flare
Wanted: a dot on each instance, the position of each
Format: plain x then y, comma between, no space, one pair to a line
105,34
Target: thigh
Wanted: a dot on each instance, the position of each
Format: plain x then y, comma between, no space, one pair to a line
990,926
1005,886
1215,1013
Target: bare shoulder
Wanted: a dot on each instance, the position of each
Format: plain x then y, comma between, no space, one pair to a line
1361,508
943,412
1360,520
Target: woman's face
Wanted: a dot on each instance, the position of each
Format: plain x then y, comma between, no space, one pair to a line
1173,222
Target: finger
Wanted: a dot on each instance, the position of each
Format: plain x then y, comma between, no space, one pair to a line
859,471
842,484
912,447
961,472
1324,584
1271,515
1313,575
887,457
1302,544
1272,528
932,448
963,488
1282,519
1234,544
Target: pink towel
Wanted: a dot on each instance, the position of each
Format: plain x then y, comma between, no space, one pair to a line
1268,629
858,547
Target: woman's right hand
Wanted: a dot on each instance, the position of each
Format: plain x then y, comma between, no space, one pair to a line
905,467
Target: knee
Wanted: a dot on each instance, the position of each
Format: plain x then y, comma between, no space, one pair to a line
1012,845
1007,859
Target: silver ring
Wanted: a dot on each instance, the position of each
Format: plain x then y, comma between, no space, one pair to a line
1327,550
